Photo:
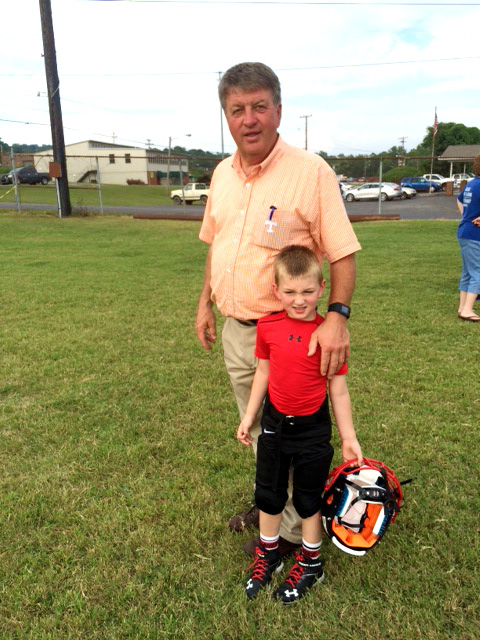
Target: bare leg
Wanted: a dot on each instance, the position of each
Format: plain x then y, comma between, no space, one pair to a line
312,529
461,304
467,309
270,525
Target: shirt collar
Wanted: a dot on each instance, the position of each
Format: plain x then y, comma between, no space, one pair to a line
277,151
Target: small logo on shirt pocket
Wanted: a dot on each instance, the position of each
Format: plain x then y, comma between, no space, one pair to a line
272,231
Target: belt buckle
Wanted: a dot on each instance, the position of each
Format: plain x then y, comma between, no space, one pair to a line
290,420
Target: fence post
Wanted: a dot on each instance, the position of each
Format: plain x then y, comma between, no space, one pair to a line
380,168
14,178
99,186
183,189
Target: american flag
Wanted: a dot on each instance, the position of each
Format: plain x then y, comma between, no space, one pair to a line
435,125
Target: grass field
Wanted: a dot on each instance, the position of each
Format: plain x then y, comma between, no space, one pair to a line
88,196
120,468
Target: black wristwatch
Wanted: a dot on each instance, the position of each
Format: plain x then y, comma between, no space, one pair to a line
340,308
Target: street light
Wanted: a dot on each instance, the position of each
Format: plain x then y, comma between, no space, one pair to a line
186,135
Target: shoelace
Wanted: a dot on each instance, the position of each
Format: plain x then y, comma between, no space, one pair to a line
296,572
259,565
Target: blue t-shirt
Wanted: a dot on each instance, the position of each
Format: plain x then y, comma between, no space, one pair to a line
470,198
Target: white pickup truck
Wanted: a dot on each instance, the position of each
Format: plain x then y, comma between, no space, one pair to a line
436,177
193,191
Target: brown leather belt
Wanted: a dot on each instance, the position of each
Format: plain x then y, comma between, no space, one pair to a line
248,323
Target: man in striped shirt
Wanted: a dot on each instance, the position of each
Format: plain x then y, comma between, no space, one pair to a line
267,196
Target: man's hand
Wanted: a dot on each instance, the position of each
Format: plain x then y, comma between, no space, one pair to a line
333,337
206,325
476,221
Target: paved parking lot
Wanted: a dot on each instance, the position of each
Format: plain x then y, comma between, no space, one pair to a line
435,206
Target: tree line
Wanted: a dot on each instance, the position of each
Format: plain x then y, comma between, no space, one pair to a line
398,163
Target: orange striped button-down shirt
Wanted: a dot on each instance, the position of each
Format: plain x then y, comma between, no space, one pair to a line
246,233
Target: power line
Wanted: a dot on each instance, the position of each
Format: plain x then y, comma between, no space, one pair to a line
296,3
192,73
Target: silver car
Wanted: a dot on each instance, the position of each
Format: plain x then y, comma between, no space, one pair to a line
370,191
408,192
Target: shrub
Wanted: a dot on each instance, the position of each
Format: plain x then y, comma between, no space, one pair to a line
132,181
396,174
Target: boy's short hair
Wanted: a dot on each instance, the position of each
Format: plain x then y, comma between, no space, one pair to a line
296,261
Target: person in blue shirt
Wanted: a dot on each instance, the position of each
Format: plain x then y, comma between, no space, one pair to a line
469,239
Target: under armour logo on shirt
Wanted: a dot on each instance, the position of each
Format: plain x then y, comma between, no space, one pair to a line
292,337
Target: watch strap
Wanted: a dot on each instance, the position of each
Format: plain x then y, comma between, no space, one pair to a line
340,308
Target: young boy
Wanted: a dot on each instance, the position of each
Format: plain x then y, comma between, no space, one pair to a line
296,426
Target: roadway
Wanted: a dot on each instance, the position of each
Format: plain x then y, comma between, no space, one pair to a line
435,206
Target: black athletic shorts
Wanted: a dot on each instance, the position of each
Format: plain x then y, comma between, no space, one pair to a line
302,442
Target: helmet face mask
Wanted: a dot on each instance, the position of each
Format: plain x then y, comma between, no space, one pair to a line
359,504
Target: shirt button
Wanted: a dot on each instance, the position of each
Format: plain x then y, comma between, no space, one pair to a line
242,212
248,184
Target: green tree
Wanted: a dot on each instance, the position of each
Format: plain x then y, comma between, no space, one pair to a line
449,133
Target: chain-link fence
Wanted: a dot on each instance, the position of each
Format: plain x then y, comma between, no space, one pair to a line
128,180
102,182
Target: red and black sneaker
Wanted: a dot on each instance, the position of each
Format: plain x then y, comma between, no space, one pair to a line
304,574
265,564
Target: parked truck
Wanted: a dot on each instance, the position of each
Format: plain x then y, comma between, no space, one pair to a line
193,191
28,175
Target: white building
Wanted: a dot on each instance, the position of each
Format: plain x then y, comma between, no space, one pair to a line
116,163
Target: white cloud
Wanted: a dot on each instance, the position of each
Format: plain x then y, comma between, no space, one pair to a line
363,107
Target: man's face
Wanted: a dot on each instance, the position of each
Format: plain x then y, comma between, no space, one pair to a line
253,121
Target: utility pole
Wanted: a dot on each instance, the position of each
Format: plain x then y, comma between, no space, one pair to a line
306,130
402,141
221,120
53,86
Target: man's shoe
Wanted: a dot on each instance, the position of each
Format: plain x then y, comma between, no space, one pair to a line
304,574
244,520
285,547
264,565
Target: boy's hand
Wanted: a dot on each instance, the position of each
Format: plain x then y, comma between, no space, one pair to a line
351,450
243,432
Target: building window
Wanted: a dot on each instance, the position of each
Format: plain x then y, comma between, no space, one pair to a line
127,158
112,158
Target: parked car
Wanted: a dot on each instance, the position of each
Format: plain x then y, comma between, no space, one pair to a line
436,177
28,175
344,188
408,192
458,177
370,191
421,184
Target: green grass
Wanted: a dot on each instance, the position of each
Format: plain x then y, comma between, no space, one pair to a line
88,196
120,469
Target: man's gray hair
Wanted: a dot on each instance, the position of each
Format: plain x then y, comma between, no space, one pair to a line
248,77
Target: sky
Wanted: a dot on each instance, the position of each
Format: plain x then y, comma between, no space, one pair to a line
368,75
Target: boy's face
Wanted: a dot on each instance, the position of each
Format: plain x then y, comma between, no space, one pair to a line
299,296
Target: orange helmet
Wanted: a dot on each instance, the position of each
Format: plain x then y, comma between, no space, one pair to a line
358,505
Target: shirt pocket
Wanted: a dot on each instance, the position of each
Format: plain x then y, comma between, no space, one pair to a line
274,233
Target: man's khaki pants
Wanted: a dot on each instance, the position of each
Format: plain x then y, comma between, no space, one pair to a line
239,352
